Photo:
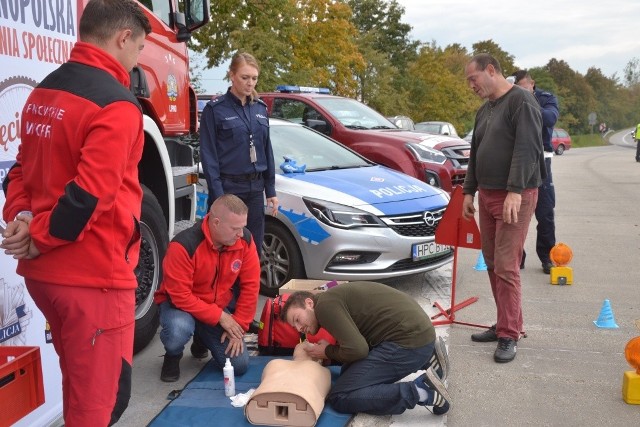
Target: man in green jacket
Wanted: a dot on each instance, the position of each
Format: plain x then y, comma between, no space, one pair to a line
382,336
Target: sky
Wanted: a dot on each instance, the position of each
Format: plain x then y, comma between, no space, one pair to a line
588,33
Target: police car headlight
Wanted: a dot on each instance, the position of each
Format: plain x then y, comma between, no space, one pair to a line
426,154
341,216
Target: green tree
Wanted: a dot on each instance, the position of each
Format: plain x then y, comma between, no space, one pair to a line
505,59
325,48
574,95
607,94
440,88
387,49
380,21
632,73
306,42
543,80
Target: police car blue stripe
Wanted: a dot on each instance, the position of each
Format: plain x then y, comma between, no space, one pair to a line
308,227
390,192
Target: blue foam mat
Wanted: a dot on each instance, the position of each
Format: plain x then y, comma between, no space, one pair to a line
203,403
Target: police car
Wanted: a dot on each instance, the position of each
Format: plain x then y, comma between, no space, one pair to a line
343,217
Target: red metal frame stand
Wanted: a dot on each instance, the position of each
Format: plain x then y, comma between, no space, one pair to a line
458,232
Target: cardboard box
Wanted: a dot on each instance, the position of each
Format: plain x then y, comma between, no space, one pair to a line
310,285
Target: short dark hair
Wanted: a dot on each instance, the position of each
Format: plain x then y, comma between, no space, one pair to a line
482,60
296,300
520,74
101,19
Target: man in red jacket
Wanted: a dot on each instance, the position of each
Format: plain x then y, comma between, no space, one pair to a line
196,297
73,203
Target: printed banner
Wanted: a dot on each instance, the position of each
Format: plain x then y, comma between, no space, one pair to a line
36,36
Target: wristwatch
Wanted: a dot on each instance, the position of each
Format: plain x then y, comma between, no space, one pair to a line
29,213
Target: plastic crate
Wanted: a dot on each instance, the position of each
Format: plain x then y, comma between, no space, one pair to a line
21,386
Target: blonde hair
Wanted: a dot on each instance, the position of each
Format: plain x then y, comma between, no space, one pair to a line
243,58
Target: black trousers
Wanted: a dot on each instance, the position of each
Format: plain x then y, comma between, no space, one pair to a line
546,238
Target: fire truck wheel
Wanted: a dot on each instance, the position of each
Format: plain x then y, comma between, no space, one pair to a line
154,241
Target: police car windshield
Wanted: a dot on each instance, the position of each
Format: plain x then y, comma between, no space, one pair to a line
354,114
312,149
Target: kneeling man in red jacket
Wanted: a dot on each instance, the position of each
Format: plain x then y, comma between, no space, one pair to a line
196,297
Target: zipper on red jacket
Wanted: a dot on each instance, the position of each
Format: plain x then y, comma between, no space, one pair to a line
134,238
214,282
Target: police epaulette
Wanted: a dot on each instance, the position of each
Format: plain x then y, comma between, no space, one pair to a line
216,100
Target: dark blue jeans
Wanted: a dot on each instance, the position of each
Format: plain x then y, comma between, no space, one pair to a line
369,385
179,326
546,238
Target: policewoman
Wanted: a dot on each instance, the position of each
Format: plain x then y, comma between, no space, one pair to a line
235,146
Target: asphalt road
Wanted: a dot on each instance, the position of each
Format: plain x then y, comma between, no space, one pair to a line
568,372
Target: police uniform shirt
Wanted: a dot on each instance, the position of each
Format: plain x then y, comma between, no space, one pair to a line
227,129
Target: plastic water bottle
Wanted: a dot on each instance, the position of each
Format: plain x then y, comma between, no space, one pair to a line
229,379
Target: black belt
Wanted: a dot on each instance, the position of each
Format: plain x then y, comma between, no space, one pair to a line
243,177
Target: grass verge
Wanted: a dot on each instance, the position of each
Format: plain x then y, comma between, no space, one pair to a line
588,140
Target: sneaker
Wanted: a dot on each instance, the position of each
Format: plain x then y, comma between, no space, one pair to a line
170,368
198,349
546,267
487,336
438,396
506,350
439,359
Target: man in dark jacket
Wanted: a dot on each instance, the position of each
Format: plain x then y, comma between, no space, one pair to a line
546,238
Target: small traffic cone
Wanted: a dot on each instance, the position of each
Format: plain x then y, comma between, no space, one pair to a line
606,320
480,264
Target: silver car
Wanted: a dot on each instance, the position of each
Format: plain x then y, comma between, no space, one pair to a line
342,217
438,128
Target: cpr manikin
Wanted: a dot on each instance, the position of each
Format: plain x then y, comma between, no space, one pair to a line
291,392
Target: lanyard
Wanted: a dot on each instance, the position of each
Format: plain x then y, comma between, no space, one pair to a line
246,119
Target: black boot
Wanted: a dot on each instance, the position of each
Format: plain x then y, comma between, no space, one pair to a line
171,368
198,349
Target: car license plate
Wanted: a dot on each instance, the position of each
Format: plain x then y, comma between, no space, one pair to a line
421,251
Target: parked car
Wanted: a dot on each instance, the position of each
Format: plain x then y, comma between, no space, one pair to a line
468,136
560,140
439,128
402,122
438,160
344,217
